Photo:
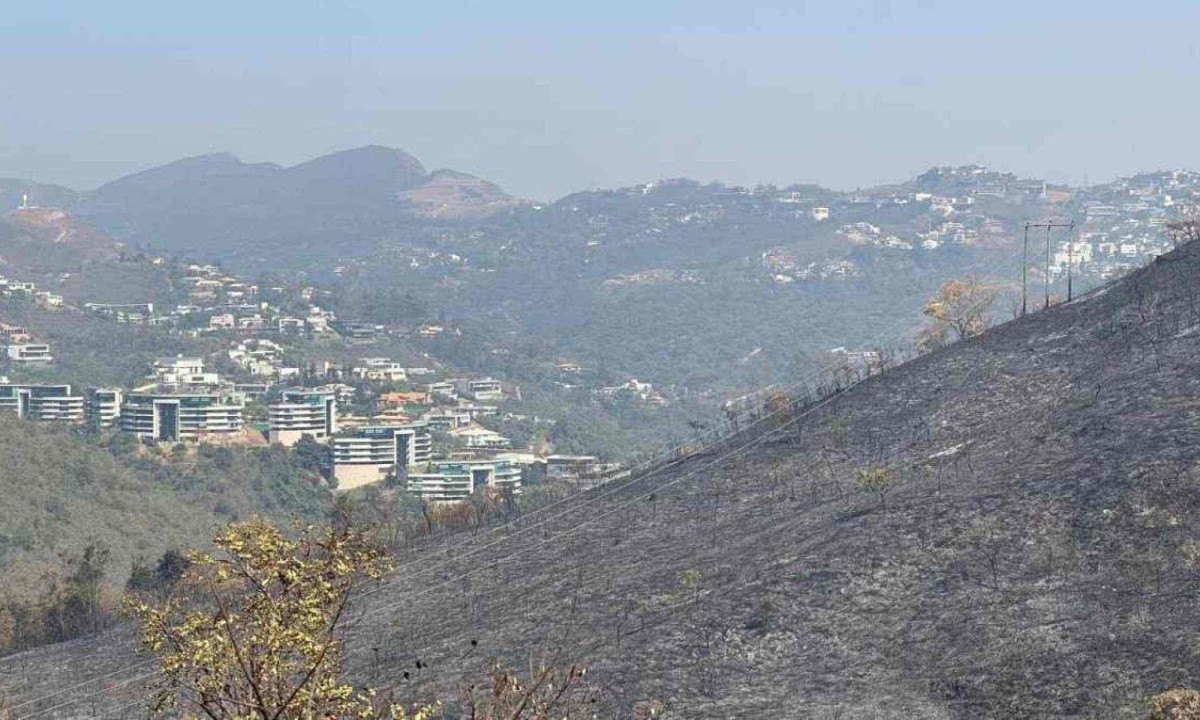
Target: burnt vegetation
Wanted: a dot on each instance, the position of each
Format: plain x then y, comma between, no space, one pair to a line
1006,527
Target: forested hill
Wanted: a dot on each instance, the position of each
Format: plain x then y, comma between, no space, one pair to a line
704,290
216,204
62,492
1004,528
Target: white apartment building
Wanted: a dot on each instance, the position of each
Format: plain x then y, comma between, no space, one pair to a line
301,412
169,416
184,371
444,390
104,407
455,480
42,402
484,390
447,419
477,436
380,369
372,453
30,353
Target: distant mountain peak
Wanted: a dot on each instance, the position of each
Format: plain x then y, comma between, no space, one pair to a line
371,169
451,194
221,160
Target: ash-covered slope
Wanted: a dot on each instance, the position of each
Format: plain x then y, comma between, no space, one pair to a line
1035,558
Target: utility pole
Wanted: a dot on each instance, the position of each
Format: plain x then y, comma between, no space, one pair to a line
1025,271
1047,266
1049,226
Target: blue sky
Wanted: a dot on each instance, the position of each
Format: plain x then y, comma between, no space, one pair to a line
547,98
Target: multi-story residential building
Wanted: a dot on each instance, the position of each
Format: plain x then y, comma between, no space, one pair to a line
455,480
446,419
477,411
31,353
182,370
370,453
21,287
179,365
104,407
484,390
49,299
172,416
251,322
444,390
562,467
383,369
477,436
251,391
355,330
42,402
300,412
317,321
290,325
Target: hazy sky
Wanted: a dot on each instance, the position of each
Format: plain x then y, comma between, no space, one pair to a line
550,97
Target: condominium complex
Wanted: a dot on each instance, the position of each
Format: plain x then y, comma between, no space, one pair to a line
453,480
370,454
42,402
104,407
167,415
302,412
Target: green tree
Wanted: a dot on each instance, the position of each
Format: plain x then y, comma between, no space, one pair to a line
75,608
310,454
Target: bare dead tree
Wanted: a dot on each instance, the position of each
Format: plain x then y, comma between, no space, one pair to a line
1182,232
545,692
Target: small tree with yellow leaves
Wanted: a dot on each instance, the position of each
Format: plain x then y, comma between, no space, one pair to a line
960,307
252,632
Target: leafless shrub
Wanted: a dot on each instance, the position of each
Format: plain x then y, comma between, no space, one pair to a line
1182,232
1177,704
547,692
878,480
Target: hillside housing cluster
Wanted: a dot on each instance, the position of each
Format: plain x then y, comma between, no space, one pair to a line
1119,225
426,440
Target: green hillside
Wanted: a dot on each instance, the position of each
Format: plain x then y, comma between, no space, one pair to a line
61,491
